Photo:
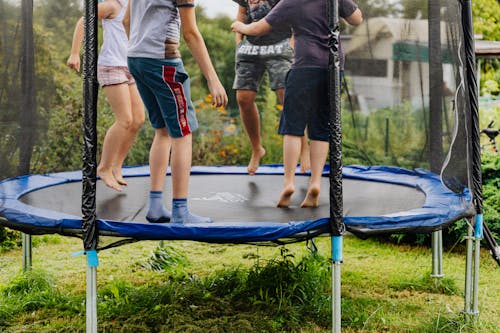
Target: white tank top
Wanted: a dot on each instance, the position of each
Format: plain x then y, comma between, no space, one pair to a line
115,42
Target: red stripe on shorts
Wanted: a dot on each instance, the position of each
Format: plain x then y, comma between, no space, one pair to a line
179,98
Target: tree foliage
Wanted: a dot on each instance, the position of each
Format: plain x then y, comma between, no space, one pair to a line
487,18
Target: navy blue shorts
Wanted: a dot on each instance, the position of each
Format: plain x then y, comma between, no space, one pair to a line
306,104
165,90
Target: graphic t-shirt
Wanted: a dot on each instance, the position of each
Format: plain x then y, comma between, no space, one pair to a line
256,10
308,20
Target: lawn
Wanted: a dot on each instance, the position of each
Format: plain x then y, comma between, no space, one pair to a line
198,287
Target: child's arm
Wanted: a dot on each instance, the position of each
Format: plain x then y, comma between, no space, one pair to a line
259,28
74,59
240,17
106,9
196,45
355,18
126,20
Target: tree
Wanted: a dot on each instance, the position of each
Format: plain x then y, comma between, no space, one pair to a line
487,23
378,8
486,15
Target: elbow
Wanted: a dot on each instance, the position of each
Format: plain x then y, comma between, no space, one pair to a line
191,36
356,18
258,33
261,27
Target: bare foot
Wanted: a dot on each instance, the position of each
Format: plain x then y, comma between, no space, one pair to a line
305,163
117,173
108,179
311,199
286,197
254,163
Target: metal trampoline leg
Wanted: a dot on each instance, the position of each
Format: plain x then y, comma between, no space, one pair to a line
478,235
437,254
91,296
468,272
472,269
27,253
336,284
475,294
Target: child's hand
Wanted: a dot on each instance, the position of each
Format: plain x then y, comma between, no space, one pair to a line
237,26
219,96
74,62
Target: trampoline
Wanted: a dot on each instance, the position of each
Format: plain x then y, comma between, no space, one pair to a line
414,103
391,200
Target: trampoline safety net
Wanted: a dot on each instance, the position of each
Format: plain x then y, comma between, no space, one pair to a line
407,103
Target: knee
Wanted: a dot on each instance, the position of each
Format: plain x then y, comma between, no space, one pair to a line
162,134
138,115
125,123
245,101
131,124
138,122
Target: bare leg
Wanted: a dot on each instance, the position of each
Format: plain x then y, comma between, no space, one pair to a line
138,117
117,135
251,119
305,162
181,165
181,169
319,152
291,153
159,155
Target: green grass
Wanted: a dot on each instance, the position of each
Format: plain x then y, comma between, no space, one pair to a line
196,287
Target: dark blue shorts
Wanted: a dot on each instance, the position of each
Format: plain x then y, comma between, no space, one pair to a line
165,90
306,104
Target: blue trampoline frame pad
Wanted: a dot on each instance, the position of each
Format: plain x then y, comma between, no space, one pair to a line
441,208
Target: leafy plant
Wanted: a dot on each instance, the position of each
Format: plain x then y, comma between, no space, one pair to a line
164,258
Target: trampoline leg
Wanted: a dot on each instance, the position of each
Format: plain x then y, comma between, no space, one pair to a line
475,294
478,235
336,284
91,297
472,269
27,253
468,272
437,254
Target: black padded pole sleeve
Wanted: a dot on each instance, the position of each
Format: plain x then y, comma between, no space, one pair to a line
472,93
335,126
90,89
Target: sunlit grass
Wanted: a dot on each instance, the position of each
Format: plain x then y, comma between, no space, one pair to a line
195,287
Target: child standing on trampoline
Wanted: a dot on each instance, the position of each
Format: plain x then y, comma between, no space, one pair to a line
119,88
306,90
254,56
154,29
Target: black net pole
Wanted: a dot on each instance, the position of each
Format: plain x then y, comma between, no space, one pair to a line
472,94
336,225
90,89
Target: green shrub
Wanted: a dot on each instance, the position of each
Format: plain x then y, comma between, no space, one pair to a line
9,239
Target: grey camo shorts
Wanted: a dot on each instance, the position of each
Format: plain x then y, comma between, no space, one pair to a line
252,61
